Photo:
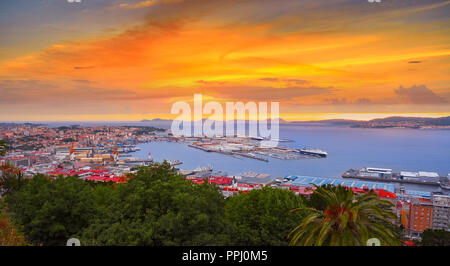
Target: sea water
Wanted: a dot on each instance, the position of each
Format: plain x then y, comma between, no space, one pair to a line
398,149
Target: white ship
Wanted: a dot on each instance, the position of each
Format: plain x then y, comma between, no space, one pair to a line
313,152
203,169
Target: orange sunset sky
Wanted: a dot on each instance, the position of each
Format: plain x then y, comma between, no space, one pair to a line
129,60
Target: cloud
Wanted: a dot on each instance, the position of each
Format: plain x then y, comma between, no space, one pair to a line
83,81
287,80
363,101
141,4
83,67
270,79
419,95
337,101
267,92
211,82
297,51
38,91
445,93
144,4
414,95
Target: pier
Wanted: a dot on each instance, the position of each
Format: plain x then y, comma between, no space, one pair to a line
251,156
390,180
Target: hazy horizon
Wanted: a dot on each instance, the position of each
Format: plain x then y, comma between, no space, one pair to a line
287,120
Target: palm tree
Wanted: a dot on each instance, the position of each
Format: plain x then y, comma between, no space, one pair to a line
347,220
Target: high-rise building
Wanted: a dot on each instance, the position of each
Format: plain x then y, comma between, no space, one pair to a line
420,216
441,212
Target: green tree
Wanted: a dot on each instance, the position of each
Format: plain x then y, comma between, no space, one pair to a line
348,220
11,179
435,238
9,233
261,217
52,211
317,202
3,147
159,207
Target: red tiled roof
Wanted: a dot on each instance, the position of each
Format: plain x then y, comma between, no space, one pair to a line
425,200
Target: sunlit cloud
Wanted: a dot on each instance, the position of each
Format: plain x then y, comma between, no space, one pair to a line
137,5
309,56
144,4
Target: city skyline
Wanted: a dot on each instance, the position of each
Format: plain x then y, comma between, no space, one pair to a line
131,60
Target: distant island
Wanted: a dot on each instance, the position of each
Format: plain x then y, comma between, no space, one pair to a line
12,124
406,122
388,122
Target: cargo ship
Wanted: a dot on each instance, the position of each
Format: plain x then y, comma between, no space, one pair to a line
313,152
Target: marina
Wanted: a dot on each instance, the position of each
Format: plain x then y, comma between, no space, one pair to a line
339,158
305,184
250,147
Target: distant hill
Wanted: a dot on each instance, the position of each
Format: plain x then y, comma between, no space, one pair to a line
441,121
328,122
426,120
156,120
11,124
394,121
160,123
409,122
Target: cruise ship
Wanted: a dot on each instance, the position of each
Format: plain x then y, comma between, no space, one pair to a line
313,152
177,162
